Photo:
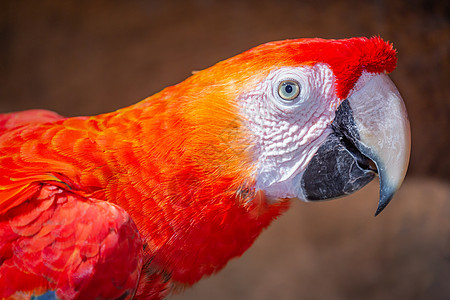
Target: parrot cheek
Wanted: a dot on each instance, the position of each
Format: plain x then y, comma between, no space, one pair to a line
370,135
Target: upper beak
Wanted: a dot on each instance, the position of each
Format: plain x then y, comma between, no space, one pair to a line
370,126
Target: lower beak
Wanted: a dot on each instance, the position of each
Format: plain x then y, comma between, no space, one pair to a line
370,135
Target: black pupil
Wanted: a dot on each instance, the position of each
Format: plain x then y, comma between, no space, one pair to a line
288,88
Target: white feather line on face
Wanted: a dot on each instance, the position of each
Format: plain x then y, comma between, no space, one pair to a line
285,135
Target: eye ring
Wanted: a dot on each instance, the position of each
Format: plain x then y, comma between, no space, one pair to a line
288,89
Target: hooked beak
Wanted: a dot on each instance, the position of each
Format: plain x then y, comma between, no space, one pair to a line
370,135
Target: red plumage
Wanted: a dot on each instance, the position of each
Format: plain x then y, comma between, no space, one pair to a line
166,184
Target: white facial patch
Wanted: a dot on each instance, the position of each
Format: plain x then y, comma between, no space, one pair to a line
285,134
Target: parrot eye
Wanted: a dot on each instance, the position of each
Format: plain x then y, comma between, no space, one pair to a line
289,89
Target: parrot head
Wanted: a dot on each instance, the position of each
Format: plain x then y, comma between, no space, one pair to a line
318,119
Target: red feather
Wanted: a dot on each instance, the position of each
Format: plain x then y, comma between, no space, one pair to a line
76,247
166,183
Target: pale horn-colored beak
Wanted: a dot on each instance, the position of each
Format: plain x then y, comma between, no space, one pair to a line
384,132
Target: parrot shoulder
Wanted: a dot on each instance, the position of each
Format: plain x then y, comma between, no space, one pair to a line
60,242
27,117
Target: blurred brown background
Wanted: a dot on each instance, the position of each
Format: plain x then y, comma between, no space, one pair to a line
89,57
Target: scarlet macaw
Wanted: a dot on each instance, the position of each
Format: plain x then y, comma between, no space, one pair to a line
153,197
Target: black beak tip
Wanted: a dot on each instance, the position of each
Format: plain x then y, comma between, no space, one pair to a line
385,198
